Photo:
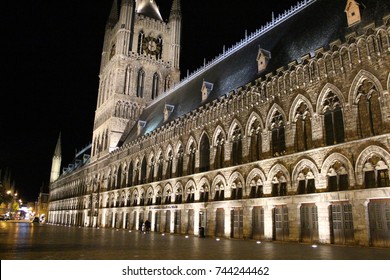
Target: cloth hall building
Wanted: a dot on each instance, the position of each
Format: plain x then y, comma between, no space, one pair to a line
284,136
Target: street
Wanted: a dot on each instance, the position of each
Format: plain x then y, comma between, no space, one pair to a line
28,241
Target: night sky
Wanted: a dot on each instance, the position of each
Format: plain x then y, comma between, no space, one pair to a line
50,62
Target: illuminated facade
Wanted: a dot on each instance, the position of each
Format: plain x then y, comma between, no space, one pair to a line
288,141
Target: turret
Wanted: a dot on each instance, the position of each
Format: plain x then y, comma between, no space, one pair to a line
126,22
56,162
175,23
112,20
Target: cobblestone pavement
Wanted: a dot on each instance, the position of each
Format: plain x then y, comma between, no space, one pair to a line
26,241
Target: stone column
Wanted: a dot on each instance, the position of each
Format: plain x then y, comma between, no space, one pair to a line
268,222
196,221
247,223
228,222
323,222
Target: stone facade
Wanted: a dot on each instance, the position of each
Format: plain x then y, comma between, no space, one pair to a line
297,155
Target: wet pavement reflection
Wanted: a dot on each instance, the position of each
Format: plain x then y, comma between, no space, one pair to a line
26,241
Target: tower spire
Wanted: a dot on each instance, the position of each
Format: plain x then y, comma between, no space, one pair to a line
56,162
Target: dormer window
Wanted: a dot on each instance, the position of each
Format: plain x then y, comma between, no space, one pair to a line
140,126
352,11
168,109
206,89
263,58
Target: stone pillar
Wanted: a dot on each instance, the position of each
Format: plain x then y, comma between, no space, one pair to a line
136,215
228,221
247,231
210,216
361,223
196,221
323,222
113,221
184,221
152,220
294,221
268,222
172,222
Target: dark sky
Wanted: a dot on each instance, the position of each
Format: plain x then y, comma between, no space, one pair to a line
50,64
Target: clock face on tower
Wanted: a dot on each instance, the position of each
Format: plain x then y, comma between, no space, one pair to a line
151,46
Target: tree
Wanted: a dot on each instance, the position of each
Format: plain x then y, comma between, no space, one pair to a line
4,196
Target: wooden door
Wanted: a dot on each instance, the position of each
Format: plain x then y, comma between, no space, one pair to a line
379,215
168,222
280,224
258,222
236,215
309,223
342,223
190,224
177,221
157,221
220,222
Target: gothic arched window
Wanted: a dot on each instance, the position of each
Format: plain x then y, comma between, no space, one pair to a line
160,168
256,188
119,178
141,37
151,170
155,85
136,174
219,193
167,84
204,194
303,136
369,110
159,47
204,154
179,196
278,135
179,167
149,197
255,147
279,185
237,146
306,182
127,84
142,199
135,199
105,140
236,190
337,177
168,197
376,173
220,151
143,171
140,83
333,119
168,173
158,198
190,195
130,175
191,160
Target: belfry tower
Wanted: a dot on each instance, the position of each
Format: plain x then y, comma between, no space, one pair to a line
140,61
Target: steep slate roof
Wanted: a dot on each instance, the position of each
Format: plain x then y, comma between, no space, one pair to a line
313,26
